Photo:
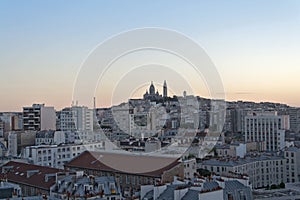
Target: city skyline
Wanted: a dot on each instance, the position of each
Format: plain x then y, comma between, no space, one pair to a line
253,45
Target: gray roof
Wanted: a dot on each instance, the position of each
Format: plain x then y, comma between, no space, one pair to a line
149,195
210,185
293,149
233,185
2,146
45,134
68,183
239,161
237,189
191,195
168,194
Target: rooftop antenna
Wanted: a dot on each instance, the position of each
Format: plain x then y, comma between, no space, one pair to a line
94,102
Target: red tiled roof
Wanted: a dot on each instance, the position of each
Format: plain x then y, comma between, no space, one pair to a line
123,163
17,173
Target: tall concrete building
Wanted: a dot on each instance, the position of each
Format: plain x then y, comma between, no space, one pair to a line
266,127
165,89
294,114
75,118
39,117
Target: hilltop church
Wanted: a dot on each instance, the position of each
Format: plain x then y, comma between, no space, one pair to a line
154,96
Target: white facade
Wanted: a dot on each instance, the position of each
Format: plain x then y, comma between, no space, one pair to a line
268,128
190,168
79,118
232,150
241,150
50,137
152,144
57,155
12,144
48,118
292,156
262,171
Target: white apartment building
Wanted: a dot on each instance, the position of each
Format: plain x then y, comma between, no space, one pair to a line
39,117
78,118
190,168
50,137
292,155
231,150
12,144
294,114
57,155
263,171
266,127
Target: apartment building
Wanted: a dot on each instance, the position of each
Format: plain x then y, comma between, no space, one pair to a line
57,155
79,118
39,117
266,127
263,170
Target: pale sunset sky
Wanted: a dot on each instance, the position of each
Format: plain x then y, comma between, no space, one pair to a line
254,44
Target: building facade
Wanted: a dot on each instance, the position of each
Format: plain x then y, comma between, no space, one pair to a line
18,140
57,155
39,117
33,180
267,127
263,171
292,155
79,118
136,170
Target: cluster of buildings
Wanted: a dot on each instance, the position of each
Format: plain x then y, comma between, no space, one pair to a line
180,147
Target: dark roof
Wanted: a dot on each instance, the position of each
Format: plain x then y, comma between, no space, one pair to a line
28,174
3,147
124,163
233,185
168,194
45,134
210,185
191,195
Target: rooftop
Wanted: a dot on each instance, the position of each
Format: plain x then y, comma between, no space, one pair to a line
28,174
121,162
231,162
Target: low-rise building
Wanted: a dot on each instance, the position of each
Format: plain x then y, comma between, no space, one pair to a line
32,179
130,170
79,186
190,168
9,190
231,150
262,170
292,155
58,155
198,189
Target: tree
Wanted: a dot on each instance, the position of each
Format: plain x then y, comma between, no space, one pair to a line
204,172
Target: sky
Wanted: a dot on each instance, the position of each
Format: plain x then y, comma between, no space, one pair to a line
254,45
